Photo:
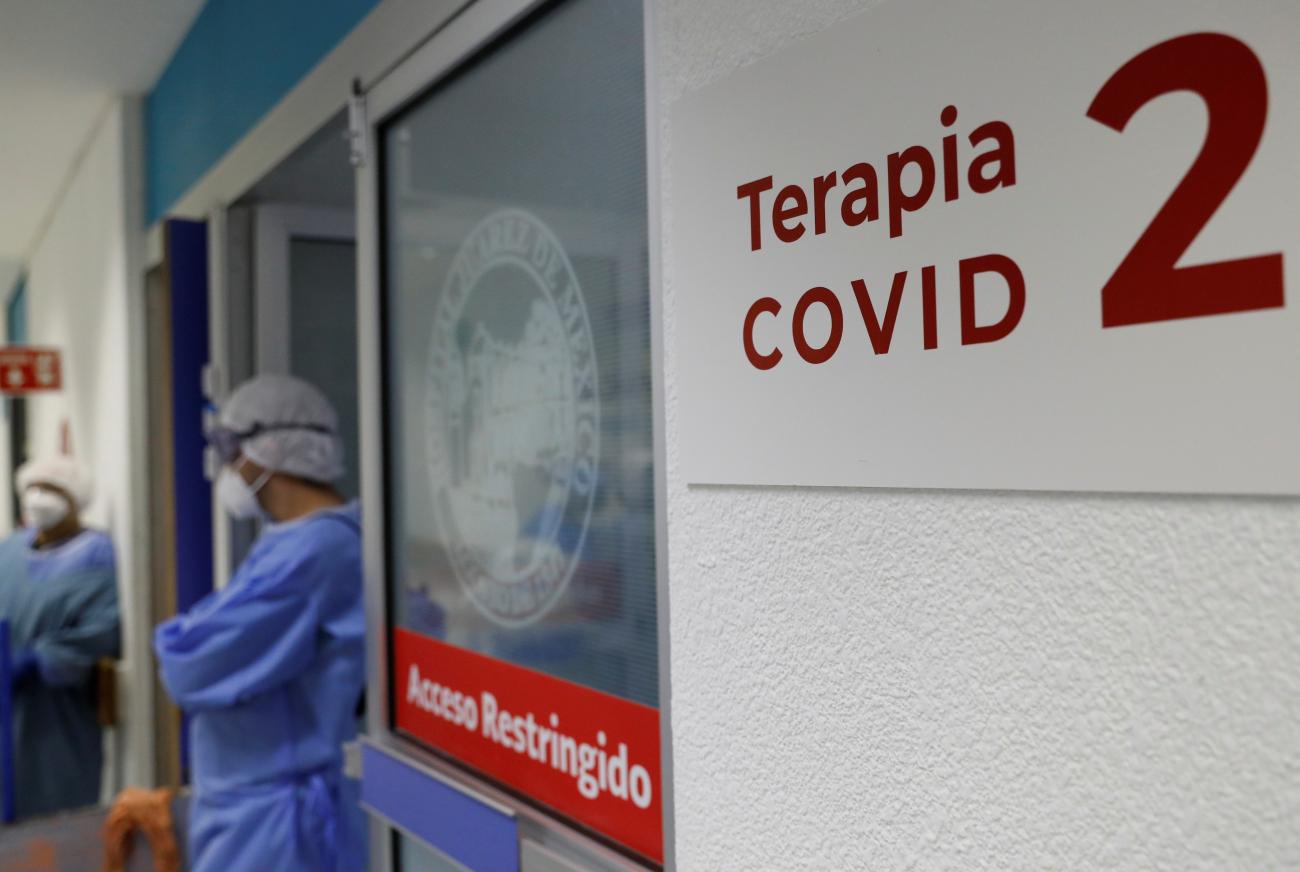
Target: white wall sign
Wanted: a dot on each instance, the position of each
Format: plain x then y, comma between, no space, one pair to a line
998,245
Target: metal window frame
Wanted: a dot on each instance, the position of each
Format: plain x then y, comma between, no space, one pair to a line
456,40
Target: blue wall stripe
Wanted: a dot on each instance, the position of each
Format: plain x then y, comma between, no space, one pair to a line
471,833
16,314
187,264
237,61
15,334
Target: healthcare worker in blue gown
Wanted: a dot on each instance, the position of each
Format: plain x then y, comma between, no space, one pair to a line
58,591
271,667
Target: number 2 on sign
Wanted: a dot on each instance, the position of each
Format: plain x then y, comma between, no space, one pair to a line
1149,285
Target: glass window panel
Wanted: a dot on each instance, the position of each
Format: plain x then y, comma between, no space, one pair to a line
323,334
520,482
416,856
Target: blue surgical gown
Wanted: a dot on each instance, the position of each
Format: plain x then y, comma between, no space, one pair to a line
61,605
270,670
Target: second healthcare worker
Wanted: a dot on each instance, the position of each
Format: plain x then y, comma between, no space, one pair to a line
58,591
271,667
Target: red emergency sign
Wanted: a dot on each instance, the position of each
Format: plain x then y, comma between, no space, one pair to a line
25,369
588,755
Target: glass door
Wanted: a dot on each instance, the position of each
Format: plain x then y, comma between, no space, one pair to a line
516,550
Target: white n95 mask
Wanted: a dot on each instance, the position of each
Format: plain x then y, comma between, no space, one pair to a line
44,509
237,497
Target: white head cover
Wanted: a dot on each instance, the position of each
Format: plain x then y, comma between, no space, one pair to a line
63,472
294,428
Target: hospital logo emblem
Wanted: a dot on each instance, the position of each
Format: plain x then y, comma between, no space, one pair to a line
514,418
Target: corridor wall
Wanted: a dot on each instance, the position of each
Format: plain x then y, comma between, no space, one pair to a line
84,285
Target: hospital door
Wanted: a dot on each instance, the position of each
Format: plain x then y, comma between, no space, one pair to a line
511,472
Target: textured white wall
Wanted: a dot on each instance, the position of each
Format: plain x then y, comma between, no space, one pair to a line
944,680
82,280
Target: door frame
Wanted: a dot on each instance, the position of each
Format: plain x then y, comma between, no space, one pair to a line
275,228
463,37
249,316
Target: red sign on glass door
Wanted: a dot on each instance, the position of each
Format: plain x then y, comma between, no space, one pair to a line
588,755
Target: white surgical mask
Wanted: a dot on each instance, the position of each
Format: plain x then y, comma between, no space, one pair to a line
239,498
44,509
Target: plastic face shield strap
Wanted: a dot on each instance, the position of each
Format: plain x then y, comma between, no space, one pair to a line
227,442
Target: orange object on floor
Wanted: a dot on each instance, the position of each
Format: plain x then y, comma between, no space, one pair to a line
39,855
150,813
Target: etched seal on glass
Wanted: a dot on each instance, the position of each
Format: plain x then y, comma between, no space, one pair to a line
514,417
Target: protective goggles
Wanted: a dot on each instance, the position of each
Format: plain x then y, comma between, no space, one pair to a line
227,441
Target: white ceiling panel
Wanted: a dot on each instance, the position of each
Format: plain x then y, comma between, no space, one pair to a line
60,63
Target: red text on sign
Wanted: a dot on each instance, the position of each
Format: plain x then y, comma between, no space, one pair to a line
588,755
879,325
910,179
1149,285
